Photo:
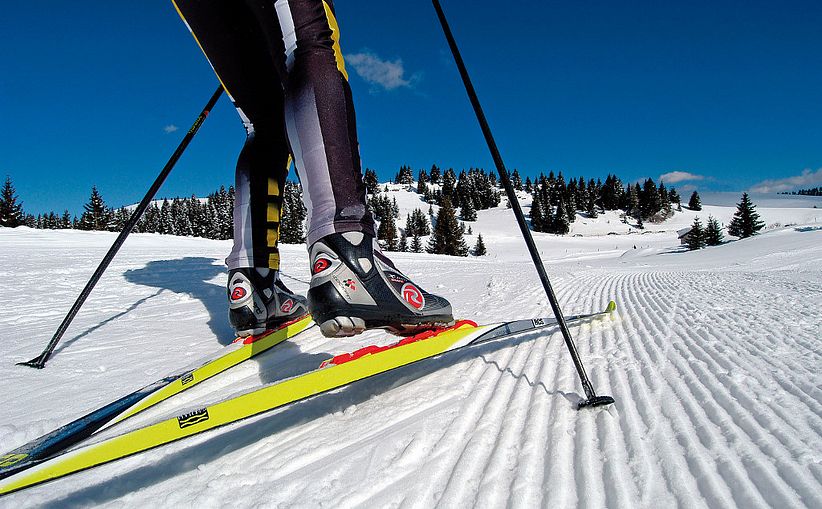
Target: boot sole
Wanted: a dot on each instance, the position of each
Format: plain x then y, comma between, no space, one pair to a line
348,326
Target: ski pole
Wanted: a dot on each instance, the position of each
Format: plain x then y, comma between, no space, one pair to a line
40,361
592,398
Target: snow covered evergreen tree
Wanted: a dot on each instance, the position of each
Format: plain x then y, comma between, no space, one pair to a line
695,203
96,215
561,224
435,174
696,237
745,222
416,244
405,175
294,213
516,180
447,238
11,212
370,181
467,210
674,198
479,247
713,232
387,233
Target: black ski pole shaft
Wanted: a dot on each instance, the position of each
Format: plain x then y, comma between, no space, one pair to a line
590,394
40,361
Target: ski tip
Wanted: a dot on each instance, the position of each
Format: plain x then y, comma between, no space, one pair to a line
611,307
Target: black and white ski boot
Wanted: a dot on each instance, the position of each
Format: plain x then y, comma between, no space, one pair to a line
355,287
258,300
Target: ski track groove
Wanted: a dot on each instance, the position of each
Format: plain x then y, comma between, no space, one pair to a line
680,355
463,480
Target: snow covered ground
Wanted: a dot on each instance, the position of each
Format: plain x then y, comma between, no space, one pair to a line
713,357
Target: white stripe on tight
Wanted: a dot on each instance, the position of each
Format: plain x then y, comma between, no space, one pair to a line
289,33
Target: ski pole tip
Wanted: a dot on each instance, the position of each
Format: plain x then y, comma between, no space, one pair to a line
595,401
36,363
611,307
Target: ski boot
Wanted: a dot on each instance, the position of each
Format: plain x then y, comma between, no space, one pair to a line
258,301
355,287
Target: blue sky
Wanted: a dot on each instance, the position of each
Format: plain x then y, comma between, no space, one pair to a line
725,94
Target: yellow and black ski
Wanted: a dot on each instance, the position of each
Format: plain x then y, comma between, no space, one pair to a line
336,372
46,446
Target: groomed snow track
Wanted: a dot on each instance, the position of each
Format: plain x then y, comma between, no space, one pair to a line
716,375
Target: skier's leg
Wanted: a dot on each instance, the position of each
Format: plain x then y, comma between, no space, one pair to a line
320,120
353,286
237,48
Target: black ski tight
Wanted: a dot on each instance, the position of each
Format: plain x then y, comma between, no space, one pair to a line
280,63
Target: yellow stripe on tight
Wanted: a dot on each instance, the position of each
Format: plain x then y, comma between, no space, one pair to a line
274,261
335,36
201,49
273,187
272,236
273,213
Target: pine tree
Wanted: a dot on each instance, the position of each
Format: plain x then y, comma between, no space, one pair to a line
591,206
370,181
387,232
405,175
695,203
416,244
673,196
120,218
696,237
422,177
529,186
447,238
479,247
561,224
96,215
649,201
713,233
167,226
467,211
435,174
516,180
470,230
402,247
65,221
11,212
293,215
746,221
633,209
537,216
449,180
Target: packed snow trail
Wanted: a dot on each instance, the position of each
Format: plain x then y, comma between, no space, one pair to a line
713,358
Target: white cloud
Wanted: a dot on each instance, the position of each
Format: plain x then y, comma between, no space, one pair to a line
170,128
679,176
808,178
385,73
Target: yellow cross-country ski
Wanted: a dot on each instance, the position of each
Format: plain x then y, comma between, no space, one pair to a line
50,444
336,372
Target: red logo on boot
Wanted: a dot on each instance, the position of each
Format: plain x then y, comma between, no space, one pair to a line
320,265
238,293
413,296
287,306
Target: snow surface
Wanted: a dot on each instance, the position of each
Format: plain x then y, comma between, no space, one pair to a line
713,357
